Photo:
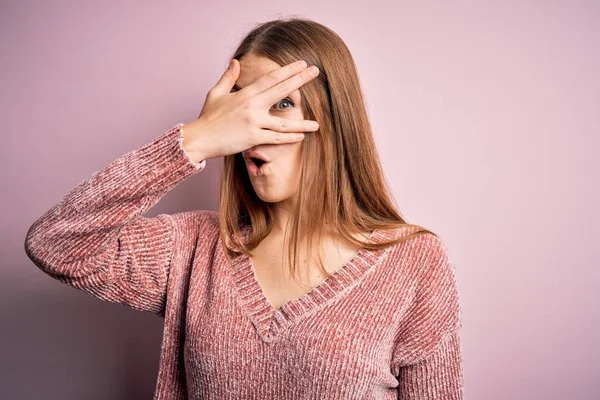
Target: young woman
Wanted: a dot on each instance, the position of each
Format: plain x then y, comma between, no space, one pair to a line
370,310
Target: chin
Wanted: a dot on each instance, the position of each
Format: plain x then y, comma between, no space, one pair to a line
271,197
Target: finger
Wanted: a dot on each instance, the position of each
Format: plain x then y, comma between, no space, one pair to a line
228,79
271,137
283,89
289,125
272,78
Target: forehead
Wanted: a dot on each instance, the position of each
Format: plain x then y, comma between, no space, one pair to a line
253,67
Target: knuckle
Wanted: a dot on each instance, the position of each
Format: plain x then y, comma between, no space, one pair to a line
248,118
273,76
282,87
283,124
246,107
243,95
250,103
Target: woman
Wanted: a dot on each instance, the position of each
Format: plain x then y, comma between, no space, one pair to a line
373,314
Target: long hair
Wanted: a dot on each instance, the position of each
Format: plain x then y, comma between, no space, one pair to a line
342,186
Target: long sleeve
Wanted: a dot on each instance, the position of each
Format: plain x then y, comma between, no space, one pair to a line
427,357
96,240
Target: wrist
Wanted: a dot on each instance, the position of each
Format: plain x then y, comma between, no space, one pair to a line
190,142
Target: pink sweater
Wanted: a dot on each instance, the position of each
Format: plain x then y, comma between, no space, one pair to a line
384,326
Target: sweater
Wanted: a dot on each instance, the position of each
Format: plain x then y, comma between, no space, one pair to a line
386,325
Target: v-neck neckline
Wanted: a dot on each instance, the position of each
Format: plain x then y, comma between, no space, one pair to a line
270,322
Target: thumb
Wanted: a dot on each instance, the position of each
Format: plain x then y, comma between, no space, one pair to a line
228,79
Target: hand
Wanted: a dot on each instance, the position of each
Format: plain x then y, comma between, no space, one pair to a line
230,123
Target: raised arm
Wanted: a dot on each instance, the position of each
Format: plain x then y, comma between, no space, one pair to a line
95,239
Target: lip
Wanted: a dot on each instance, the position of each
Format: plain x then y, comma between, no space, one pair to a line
255,170
249,154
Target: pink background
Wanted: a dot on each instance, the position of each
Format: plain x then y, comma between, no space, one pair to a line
486,116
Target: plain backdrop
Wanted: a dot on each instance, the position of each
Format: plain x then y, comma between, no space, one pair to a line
485,114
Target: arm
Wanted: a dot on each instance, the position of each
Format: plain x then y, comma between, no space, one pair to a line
96,239
427,357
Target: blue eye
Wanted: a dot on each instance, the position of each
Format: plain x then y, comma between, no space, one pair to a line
287,99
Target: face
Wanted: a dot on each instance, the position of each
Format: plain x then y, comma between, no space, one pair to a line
280,180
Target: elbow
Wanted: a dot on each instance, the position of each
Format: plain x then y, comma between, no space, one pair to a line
40,249
32,239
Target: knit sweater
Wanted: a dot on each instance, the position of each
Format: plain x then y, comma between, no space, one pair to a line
384,326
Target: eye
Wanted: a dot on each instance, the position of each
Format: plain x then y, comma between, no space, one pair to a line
286,100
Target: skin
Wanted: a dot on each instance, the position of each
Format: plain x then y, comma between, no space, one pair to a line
278,185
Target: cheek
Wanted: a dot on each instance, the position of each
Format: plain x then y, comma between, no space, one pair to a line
292,159
289,159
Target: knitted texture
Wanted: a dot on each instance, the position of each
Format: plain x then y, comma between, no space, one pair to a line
386,325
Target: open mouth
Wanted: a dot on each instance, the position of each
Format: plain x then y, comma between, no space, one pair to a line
257,166
257,161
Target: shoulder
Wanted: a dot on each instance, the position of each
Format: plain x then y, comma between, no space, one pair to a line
210,217
432,271
423,244
190,223
421,255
